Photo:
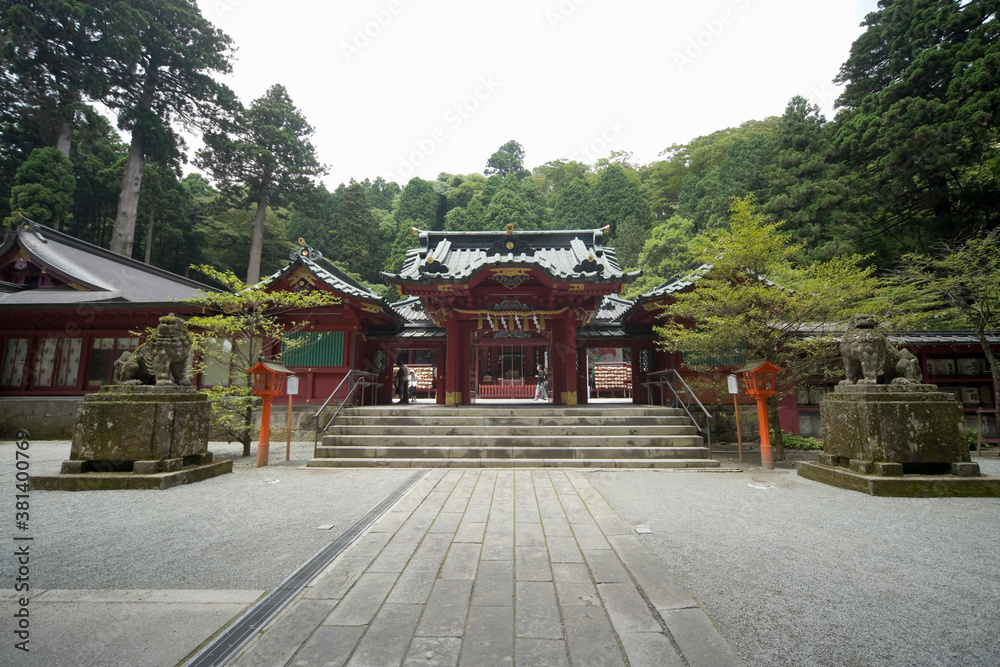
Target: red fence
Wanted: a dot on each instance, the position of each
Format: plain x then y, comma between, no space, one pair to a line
506,390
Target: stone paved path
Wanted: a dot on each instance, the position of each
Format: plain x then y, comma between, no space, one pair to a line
494,567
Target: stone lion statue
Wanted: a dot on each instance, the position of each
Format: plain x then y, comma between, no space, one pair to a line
869,357
161,360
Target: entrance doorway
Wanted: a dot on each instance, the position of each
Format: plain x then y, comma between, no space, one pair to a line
505,364
609,372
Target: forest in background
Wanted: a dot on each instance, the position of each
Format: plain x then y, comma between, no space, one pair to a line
911,160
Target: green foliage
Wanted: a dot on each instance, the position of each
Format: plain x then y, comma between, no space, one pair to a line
628,242
418,206
227,232
241,326
665,253
959,283
555,175
617,195
961,278
357,231
920,117
230,406
55,55
753,299
264,155
159,74
801,442
43,187
574,206
506,207
508,160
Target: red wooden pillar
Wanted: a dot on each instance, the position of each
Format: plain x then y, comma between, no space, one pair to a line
638,391
441,376
582,376
453,364
564,374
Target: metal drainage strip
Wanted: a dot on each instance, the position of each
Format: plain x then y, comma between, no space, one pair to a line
221,649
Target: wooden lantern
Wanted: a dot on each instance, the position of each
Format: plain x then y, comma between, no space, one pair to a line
760,378
268,382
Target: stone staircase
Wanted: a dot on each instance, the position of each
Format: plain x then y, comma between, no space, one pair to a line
592,436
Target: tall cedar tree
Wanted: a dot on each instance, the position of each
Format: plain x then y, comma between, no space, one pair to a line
922,113
43,187
53,50
616,197
574,206
507,160
355,230
266,153
159,75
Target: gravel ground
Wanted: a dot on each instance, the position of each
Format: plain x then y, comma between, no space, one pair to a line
795,572
241,531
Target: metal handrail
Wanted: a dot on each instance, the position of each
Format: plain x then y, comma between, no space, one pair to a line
361,382
677,402
659,383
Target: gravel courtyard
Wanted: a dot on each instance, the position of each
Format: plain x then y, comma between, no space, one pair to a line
792,571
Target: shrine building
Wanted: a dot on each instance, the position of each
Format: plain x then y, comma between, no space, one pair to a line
479,313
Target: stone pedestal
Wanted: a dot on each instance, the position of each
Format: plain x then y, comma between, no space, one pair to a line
126,433
897,440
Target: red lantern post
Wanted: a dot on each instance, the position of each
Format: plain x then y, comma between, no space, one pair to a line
268,381
761,382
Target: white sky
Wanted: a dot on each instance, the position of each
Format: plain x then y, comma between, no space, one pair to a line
398,88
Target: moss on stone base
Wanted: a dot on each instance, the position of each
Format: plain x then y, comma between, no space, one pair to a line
906,486
116,481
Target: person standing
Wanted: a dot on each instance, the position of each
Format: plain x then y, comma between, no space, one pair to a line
403,383
411,381
540,392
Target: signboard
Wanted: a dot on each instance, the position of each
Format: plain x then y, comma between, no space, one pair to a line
734,384
292,385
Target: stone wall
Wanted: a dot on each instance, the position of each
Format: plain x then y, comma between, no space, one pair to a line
45,418
303,423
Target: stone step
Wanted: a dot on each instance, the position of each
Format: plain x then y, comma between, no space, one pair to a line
495,430
525,409
351,419
510,452
510,463
424,435
494,440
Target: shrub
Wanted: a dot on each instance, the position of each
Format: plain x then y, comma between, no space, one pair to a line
801,442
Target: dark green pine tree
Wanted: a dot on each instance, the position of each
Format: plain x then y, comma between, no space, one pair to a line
921,113
43,187
55,51
574,207
418,207
159,74
356,235
266,154
508,160
617,197
821,201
